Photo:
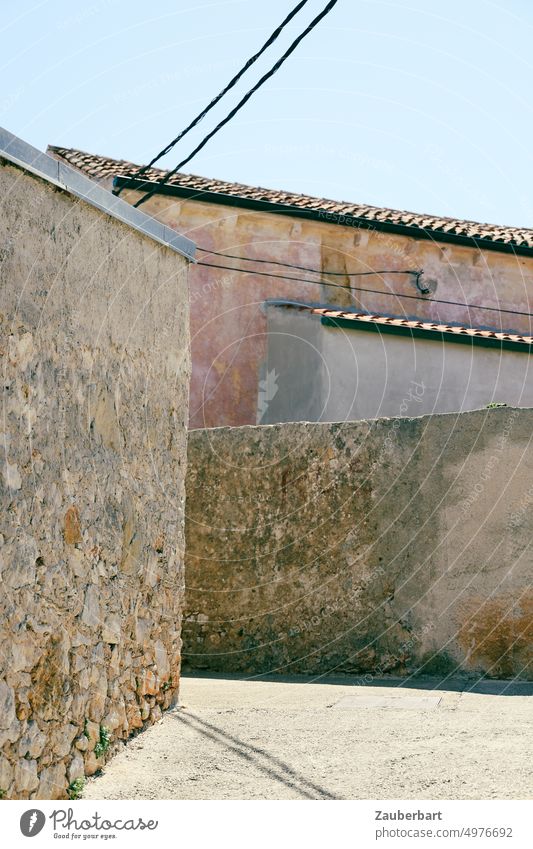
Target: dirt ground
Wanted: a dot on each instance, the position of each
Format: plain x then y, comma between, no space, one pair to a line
233,738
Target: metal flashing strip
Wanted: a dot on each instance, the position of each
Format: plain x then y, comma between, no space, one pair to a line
23,155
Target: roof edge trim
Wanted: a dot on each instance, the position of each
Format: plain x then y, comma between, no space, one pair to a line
23,155
383,324
325,216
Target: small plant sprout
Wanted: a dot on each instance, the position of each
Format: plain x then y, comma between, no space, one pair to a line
75,788
104,742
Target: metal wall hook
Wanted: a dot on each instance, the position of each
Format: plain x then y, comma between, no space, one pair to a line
422,288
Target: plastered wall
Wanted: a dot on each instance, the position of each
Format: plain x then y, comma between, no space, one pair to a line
395,546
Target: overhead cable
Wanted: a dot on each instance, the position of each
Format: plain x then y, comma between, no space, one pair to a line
327,9
305,268
361,289
232,83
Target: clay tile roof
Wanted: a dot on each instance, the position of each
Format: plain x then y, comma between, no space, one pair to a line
418,325
101,167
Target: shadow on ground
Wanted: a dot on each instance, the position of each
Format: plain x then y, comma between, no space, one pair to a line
487,686
272,767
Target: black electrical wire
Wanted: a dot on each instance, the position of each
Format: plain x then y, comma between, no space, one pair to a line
417,273
314,282
232,83
358,288
327,9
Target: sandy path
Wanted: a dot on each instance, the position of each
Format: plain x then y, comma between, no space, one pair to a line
237,739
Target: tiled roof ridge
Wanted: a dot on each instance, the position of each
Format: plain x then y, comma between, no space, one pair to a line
101,166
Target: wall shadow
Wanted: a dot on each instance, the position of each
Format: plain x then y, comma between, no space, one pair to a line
455,684
275,768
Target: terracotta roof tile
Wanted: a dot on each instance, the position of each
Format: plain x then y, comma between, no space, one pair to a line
101,167
429,326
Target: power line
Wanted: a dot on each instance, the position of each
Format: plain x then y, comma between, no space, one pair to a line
232,83
327,9
305,268
315,282
358,288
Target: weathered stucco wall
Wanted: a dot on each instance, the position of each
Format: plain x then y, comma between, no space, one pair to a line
388,546
229,325
95,370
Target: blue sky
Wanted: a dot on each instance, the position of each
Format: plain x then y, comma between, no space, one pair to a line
410,104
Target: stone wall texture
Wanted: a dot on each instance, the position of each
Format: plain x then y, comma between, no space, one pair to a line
95,371
397,546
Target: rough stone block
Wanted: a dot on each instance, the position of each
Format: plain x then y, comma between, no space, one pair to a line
32,741
26,778
52,783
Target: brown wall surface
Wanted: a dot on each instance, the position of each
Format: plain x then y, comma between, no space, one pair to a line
95,370
389,546
228,322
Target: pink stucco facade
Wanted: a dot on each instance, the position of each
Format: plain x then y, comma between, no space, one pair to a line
228,321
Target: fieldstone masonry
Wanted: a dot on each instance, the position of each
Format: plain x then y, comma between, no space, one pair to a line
95,372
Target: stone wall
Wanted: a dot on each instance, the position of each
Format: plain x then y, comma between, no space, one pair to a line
389,546
95,371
